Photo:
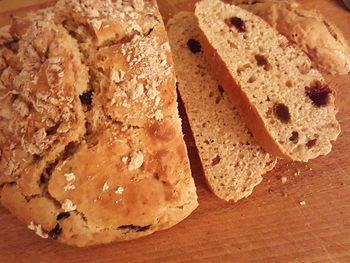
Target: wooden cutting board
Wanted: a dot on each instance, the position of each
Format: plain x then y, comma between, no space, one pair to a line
269,226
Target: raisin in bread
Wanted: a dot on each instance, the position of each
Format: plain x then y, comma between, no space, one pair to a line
90,137
232,161
309,29
286,104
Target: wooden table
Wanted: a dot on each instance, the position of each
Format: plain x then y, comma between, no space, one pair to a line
269,226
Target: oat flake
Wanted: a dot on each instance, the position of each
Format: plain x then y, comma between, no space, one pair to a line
105,187
136,160
120,190
38,230
68,206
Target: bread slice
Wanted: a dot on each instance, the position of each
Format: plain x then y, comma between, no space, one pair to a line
91,148
283,100
323,42
232,161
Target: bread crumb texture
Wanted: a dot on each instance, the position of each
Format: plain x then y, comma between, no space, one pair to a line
232,160
91,148
282,98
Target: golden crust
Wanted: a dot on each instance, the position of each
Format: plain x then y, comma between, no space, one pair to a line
121,67
91,142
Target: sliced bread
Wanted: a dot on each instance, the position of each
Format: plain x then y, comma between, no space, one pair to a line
309,29
232,161
283,100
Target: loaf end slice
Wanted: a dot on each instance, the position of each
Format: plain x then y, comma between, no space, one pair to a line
232,161
283,100
323,42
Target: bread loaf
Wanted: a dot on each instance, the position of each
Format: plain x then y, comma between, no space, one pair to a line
90,137
309,29
283,100
232,161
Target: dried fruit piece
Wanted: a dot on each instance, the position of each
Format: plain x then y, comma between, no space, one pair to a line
319,94
262,61
52,130
55,232
36,158
194,46
237,22
216,160
86,97
282,112
218,99
62,216
221,90
311,143
295,137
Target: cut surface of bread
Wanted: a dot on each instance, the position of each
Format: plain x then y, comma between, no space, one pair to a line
90,138
232,161
284,101
323,42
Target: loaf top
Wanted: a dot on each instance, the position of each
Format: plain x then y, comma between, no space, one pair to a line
285,102
90,137
233,162
309,29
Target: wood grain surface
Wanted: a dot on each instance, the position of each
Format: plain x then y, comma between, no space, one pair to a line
269,226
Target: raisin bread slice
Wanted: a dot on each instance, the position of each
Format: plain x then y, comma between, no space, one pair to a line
232,161
323,42
286,104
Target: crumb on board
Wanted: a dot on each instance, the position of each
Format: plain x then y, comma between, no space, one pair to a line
284,179
120,190
302,203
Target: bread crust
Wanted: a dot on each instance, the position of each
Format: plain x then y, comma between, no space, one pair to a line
91,143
